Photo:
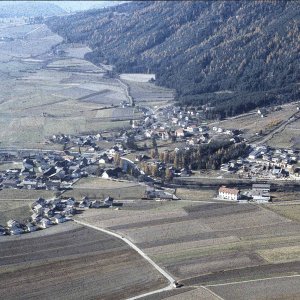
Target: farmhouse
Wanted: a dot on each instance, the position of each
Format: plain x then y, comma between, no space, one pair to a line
261,192
229,193
180,132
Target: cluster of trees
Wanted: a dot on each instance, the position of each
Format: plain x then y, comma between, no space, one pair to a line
238,55
205,156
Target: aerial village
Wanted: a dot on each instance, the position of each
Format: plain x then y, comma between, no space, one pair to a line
85,156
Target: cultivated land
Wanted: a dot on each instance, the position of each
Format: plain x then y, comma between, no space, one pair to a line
46,92
209,243
73,262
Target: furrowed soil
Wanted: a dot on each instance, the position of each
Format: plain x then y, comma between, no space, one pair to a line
202,244
69,261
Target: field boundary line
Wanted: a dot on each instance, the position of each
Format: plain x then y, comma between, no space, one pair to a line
139,251
211,292
253,280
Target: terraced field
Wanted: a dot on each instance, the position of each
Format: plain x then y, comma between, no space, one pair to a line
69,261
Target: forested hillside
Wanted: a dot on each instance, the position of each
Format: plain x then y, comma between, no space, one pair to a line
235,55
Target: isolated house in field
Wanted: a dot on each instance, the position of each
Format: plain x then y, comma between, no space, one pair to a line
229,193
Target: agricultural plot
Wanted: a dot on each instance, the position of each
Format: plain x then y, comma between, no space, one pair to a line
252,123
273,288
97,188
73,262
149,94
192,239
137,77
288,138
44,94
15,204
290,211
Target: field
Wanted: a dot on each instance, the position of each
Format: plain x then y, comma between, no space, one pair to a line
72,262
15,204
196,195
98,188
208,243
290,211
281,288
288,138
45,94
148,94
252,123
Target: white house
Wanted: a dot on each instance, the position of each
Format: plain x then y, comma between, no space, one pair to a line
44,223
228,193
58,218
30,227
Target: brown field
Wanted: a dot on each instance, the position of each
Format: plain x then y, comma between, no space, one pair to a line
283,288
73,262
15,204
193,239
186,293
290,211
252,123
149,94
98,188
287,138
196,195
43,94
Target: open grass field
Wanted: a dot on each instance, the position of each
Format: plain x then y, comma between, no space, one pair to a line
146,93
208,243
290,211
196,195
289,137
72,262
98,188
252,123
15,204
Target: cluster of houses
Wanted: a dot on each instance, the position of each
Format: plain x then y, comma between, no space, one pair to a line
46,213
172,123
260,193
58,170
266,163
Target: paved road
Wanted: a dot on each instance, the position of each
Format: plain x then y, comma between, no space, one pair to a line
145,256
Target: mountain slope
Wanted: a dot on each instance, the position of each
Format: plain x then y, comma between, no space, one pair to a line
236,55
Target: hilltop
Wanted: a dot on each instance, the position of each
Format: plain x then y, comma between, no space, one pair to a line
237,55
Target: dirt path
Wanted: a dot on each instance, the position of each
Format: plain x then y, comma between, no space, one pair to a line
145,256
